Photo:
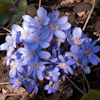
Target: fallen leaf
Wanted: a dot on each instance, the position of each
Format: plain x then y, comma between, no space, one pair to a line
65,2
2,96
80,6
31,10
4,91
80,14
21,89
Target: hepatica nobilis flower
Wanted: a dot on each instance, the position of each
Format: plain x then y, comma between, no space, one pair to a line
45,48
87,53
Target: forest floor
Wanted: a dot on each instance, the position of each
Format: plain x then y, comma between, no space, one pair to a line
77,12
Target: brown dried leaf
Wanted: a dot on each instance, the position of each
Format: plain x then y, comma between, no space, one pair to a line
65,2
80,14
21,89
80,6
31,10
2,96
4,91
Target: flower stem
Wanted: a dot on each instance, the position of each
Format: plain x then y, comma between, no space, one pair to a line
39,3
5,29
74,84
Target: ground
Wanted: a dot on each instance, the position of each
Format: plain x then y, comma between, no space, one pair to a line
76,19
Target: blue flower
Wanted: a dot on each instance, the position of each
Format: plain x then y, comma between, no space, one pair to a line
15,68
52,73
87,53
39,20
10,44
36,69
52,87
17,82
65,64
32,85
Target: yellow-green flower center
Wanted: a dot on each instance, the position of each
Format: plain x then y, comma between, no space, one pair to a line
54,85
53,26
36,65
76,41
63,65
87,52
26,33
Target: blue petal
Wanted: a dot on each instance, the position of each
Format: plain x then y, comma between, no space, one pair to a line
34,46
84,60
95,49
20,69
61,58
4,46
40,75
86,69
55,15
28,18
62,20
42,13
34,74
35,89
12,72
60,34
77,32
93,44
96,57
70,70
44,44
49,91
74,49
23,50
65,26
80,53
13,86
93,60
84,45
29,72
45,34
42,68
46,21
46,87
71,62
44,54
10,50
11,81
29,88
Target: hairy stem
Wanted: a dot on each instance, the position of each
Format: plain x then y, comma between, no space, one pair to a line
39,3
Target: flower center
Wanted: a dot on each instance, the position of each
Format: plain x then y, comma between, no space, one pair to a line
87,52
33,52
10,42
59,40
76,41
36,65
54,85
18,81
37,39
15,65
63,65
53,26
25,33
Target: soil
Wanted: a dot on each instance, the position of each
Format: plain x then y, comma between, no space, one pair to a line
92,30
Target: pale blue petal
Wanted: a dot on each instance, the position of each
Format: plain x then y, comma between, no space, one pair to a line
46,87
74,49
9,51
34,46
61,58
13,86
12,72
46,21
62,20
20,69
54,16
35,89
4,46
96,57
77,32
70,70
28,19
44,54
42,13
40,75
44,44
29,72
65,26
42,68
71,62
23,50
87,69
60,34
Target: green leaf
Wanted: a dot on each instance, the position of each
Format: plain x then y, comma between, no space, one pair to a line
4,5
5,16
92,95
19,13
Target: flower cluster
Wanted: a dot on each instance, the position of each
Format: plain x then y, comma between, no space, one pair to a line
44,48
